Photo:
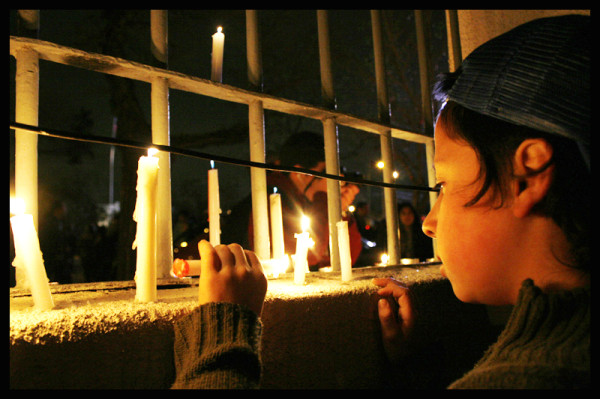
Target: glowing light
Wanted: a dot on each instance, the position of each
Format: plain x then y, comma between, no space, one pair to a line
351,208
384,259
152,151
304,223
395,175
380,164
17,206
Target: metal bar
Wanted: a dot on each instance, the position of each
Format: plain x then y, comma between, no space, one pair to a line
203,155
178,81
391,210
160,135
424,67
454,48
330,135
256,121
426,105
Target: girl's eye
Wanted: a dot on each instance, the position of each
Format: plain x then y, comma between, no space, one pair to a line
439,186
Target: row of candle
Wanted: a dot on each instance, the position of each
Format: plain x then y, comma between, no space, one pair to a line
29,259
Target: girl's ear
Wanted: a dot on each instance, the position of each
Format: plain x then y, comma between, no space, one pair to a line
533,168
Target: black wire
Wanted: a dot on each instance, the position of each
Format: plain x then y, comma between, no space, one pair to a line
202,155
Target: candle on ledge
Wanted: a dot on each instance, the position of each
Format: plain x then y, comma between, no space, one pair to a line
277,226
344,247
303,242
217,56
184,268
29,256
145,239
214,206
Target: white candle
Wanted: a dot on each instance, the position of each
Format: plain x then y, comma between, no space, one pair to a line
277,226
29,256
303,242
184,268
214,208
145,239
217,55
344,246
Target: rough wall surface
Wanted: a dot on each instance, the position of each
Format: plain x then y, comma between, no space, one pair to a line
321,335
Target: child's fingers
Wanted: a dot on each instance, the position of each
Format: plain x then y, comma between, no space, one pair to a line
389,324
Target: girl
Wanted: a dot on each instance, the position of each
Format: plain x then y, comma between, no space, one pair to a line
513,213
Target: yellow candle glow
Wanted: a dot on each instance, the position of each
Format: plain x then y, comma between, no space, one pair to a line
303,242
145,239
217,55
29,256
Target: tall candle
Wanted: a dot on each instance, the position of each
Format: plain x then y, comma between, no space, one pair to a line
217,55
29,256
344,246
277,226
214,208
145,239
303,242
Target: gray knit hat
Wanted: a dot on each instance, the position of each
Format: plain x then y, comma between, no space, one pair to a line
536,75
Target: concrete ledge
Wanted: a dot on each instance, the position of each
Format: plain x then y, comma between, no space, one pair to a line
324,334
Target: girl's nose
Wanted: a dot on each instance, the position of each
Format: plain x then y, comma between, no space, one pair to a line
430,222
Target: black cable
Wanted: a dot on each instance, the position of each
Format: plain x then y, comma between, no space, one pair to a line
202,155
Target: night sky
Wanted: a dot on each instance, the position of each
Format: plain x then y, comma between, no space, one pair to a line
74,99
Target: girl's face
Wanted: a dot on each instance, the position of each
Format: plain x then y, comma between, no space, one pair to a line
407,217
475,244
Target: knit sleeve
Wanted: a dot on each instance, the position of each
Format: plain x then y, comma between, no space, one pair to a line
218,346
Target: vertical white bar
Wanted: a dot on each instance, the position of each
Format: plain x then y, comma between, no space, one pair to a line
330,135
391,210
258,176
161,136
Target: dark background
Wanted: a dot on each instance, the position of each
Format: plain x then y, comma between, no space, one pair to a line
79,101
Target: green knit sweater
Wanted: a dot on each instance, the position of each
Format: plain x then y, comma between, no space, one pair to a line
545,344
217,346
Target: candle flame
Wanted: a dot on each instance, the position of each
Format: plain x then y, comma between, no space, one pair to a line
384,259
219,29
152,151
305,223
380,164
17,206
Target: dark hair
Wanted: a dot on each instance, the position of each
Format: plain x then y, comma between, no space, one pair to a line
568,201
304,148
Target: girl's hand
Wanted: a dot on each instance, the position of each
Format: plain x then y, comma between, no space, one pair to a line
396,325
231,274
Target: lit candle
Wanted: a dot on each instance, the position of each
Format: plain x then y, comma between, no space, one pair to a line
145,238
303,242
214,207
217,55
275,267
384,259
183,268
344,246
277,226
29,256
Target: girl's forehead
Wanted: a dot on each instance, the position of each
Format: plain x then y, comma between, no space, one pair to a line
449,151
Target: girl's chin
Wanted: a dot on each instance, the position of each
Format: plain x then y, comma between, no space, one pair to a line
443,271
